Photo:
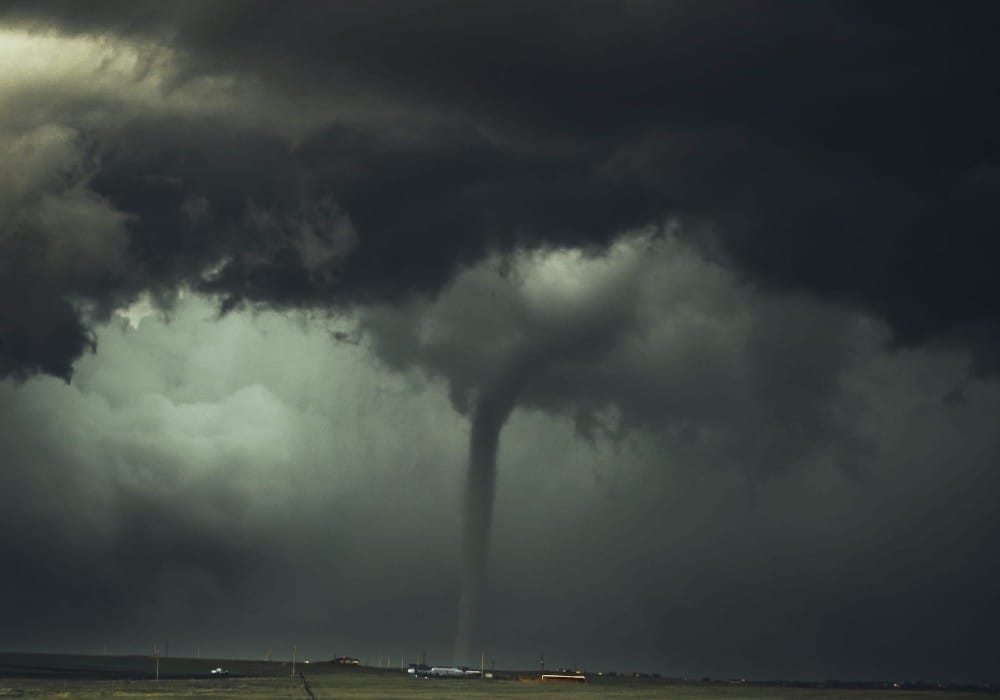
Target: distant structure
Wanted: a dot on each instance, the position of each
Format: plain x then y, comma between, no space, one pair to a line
346,660
563,678
425,671
453,672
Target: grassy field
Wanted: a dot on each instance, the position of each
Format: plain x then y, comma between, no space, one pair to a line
45,676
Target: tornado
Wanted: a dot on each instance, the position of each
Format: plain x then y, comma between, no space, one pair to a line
587,337
494,405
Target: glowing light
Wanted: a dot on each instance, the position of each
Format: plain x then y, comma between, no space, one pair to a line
135,312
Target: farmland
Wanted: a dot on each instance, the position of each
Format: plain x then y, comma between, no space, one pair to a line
85,677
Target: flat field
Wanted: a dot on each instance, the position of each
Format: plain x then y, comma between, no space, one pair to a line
56,676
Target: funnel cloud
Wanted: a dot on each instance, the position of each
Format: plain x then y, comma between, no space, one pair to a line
493,407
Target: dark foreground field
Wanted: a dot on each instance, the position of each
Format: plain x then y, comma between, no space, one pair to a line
64,676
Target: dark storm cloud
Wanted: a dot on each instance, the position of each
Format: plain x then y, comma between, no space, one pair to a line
136,484
649,337
58,238
45,336
236,484
683,226
833,148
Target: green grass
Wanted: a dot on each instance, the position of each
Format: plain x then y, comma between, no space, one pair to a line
86,677
382,687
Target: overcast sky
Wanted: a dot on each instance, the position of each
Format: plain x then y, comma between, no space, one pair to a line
720,279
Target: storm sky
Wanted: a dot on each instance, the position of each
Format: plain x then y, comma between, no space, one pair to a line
721,277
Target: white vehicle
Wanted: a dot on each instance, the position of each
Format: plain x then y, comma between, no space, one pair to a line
220,671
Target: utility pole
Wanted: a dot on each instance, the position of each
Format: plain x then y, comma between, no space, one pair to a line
157,650
293,661
482,665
